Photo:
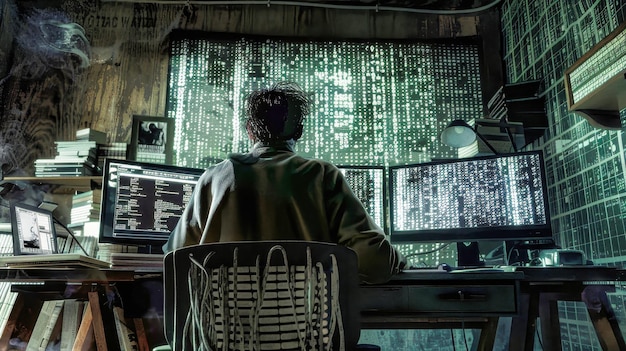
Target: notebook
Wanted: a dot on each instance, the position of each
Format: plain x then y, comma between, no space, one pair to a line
35,242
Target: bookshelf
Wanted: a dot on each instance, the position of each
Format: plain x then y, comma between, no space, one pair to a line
64,184
88,318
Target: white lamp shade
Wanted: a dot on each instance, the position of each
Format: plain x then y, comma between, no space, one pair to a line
458,134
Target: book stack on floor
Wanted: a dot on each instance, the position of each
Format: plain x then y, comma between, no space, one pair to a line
72,324
7,298
6,302
74,158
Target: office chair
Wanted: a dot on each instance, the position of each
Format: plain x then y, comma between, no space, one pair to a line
267,295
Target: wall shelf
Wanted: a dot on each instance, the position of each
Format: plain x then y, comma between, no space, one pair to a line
595,85
62,184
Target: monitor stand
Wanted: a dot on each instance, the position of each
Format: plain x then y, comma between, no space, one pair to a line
468,254
150,249
520,253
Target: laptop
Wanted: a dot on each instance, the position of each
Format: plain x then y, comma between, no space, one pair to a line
35,242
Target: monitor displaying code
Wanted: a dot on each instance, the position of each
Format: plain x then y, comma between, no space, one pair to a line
497,197
368,184
166,199
142,202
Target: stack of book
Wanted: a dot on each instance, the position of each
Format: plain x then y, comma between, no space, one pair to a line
74,158
111,150
85,207
106,250
520,103
88,134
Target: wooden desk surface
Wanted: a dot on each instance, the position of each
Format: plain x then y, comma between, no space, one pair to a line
522,274
571,274
74,275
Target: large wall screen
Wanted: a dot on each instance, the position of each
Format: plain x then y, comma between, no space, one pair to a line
376,103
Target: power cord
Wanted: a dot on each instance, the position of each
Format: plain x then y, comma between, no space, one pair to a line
427,252
69,231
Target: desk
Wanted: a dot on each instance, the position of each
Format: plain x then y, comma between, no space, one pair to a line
426,299
410,300
431,300
542,287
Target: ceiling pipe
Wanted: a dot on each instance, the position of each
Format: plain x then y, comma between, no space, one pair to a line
268,3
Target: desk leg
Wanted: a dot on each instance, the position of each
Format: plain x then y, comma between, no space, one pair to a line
488,335
550,324
531,322
605,322
605,333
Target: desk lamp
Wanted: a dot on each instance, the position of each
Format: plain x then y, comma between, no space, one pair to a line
460,134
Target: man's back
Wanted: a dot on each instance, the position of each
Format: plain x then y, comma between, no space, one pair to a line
273,194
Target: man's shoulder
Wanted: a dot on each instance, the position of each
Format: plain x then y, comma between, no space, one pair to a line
326,165
247,158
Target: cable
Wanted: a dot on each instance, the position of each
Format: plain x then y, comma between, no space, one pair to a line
268,3
539,338
453,341
72,234
464,335
427,252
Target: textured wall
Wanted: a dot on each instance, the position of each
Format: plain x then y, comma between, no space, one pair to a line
586,166
128,54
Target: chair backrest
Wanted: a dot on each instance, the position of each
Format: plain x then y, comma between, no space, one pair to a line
262,295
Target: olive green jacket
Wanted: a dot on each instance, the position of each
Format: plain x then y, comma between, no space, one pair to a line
273,194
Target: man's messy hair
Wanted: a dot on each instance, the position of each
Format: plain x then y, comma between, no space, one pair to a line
278,112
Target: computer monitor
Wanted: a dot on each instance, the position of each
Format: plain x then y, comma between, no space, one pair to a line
142,202
368,184
500,197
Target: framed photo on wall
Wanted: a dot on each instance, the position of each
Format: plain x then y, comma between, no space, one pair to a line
151,139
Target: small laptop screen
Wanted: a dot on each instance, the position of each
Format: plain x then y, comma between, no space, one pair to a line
33,230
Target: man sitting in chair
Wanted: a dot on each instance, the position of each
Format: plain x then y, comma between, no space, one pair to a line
271,193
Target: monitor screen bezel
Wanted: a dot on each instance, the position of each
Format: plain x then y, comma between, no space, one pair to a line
107,215
502,233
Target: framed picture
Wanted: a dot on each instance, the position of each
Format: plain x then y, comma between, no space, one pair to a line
151,139
33,230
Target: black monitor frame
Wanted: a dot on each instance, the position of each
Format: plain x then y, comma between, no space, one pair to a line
383,224
148,240
503,233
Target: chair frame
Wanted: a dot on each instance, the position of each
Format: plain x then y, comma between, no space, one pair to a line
178,263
